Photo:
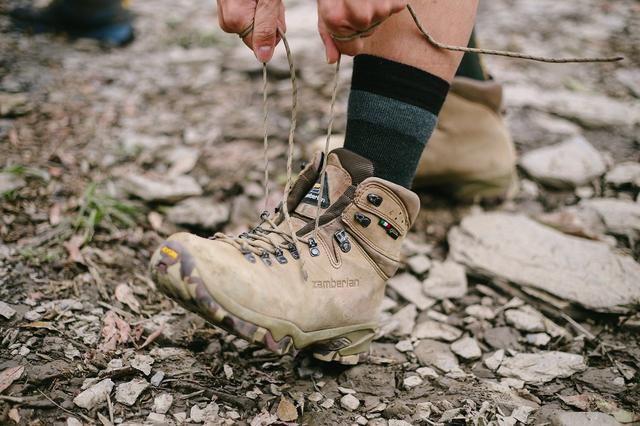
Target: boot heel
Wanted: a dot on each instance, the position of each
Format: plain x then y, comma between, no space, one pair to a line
348,349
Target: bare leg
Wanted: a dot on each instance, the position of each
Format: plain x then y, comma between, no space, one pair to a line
448,21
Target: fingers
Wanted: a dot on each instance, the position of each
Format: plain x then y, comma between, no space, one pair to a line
235,16
332,51
265,29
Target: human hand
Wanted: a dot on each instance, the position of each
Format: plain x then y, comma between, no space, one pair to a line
344,18
264,16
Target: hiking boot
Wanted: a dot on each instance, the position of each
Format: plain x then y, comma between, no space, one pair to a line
470,155
323,296
107,21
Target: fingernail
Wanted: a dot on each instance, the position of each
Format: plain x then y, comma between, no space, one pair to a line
264,53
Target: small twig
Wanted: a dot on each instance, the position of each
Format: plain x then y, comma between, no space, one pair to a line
110,406
85,418
192,394
577,326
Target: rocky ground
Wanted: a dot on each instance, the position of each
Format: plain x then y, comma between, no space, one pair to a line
520,313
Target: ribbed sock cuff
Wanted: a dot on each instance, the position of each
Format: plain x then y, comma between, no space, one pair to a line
399,81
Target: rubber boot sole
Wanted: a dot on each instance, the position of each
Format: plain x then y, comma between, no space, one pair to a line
174,271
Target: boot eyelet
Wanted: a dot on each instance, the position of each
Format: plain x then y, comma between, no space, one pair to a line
343,240
280,257
294,252
313,248
265,258
362,219
249,256
374,199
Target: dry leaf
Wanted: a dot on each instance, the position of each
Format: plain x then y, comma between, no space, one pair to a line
73,247
124,294
153,336
286,411
264,419
10,375
114,331
14,415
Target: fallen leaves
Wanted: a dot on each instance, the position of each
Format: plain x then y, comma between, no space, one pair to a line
125,295
115,330
286,411
73,247
10,375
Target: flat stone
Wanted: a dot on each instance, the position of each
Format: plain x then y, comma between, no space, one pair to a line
398,422
436,330
432,353
156,419
611,215
538,339
127,393
568,418
202,212
208,414
405,319
94,395
502,338
419,264
627,173
532,256
408,286
524,320
142,363
6,310
404,346
349,402
161,189
480,312
604,380
542,367
412,248
588,109
493,361
10,182
446,281
630,78
466,348
427,372
411,382
571,163
162,403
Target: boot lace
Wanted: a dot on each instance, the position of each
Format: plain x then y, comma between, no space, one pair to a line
267,238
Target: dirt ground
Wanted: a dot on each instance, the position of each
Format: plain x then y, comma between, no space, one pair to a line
78,120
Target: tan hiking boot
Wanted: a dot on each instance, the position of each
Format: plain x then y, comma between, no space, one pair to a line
470,155
324,296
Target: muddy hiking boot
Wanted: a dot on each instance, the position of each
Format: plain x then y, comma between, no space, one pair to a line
323,296
107,21
471,155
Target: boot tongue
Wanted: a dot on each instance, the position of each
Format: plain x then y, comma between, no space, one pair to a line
344,170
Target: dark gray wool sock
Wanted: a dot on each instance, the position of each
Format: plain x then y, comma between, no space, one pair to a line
393,110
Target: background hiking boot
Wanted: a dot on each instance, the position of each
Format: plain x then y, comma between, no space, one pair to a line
470,155
107,21
325,296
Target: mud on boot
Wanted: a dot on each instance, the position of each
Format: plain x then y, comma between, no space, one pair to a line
320,290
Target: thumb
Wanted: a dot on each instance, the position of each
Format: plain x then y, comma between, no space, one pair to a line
265,29
331,49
